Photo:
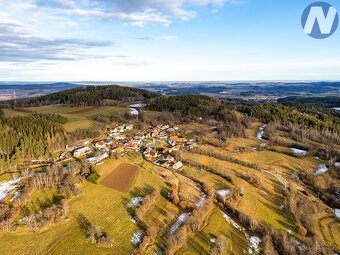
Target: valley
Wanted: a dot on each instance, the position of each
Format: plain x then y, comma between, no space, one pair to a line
181,177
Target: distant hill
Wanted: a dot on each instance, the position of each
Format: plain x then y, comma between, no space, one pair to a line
19,90
87,96
326,102
37,86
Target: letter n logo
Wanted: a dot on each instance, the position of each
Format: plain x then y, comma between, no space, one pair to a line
320,20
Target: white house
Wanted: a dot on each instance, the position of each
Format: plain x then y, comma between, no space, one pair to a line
178,165
81,152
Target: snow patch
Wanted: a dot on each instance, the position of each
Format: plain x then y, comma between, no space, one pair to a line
223,192
137,238
321,169
337,164
179,222
337,213
201,200
213,240
16,195
134,202
254,241
134,112
7,187
299,152
254,245
137,105
260,136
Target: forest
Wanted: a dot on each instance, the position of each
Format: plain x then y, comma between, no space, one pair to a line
316,119
34,136
86,96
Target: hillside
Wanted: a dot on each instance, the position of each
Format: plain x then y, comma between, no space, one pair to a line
87,96
189,174
327,102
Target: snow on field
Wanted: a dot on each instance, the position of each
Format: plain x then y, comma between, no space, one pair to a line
260,133
179,222
223,192
337,164
135,201
299,152
336,108
260,136
337,213
137,238
7,187
16,195
137,105
254,241
201,200
133,112
233,223
321,169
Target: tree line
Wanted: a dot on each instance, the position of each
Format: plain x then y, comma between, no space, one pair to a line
34,136
85,96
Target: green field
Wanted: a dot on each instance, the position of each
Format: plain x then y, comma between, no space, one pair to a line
106,207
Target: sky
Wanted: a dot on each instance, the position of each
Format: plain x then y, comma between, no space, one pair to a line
162,40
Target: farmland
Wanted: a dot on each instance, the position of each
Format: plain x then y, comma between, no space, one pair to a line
121,178
144,184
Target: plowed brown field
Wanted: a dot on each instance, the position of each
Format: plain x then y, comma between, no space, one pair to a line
121,178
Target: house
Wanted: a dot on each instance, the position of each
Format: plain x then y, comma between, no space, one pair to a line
177,139
175,148
103,156
112,130
178,165
109,142
163,135
133,112
155,133
118,136
169,158
171,130
171,142
139,137
121,129
85,142
92,160
118,150
166,150
100,145
153,154
81,152
129,127
132,145
95,160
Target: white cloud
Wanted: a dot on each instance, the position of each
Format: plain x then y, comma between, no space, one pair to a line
19,43
135,12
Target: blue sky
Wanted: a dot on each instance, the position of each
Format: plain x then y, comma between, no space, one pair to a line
158,40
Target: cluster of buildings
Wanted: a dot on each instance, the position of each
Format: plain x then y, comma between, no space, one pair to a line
165,142
157,144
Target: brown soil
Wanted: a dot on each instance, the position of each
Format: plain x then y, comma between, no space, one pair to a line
121,178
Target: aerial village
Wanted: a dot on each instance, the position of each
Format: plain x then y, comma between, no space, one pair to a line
157,144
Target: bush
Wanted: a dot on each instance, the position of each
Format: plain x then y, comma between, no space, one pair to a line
93,233
93,175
